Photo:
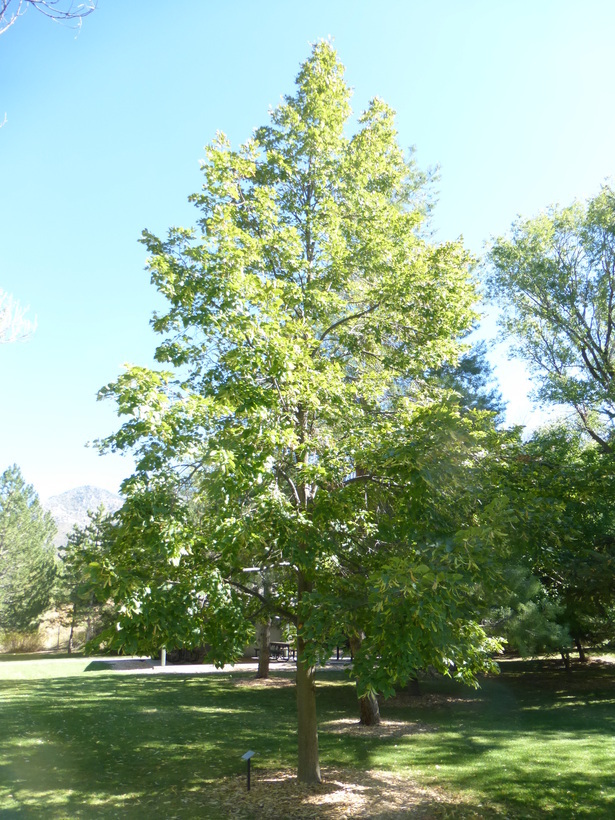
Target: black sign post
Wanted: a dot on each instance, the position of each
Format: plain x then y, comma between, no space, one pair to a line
248,756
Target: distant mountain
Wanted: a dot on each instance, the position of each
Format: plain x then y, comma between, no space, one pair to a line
72,507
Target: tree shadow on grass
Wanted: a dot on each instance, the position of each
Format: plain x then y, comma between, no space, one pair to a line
107,745
539,743
118,664
530,782
110,745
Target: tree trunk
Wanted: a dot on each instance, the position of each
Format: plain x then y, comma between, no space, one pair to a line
580,650
307,727
413,687
369,711
90,621
71,635
566,659
263,631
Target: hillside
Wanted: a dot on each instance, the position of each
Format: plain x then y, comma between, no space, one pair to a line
72,507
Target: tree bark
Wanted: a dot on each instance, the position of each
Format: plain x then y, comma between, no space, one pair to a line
369,711
308,770
263,630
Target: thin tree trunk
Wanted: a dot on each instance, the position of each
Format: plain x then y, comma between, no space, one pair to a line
369,710
73,619
580,650
264,638
89,621
307,727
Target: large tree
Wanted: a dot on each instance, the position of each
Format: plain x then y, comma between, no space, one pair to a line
555,278
309,317
27,556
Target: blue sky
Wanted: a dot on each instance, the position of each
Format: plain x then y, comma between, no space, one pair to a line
104,132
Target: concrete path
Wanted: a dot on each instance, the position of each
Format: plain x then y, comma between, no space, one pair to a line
146,666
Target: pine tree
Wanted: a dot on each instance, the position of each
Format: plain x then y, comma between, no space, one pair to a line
27,558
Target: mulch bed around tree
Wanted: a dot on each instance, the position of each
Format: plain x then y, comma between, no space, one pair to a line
386,728
344,794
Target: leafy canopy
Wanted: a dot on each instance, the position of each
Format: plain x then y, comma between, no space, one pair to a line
309,317
561,486
555,278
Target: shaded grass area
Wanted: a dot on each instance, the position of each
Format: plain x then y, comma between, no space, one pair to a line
535,741
531,743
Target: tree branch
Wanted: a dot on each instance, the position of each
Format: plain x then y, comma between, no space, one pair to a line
351,317
279,610
290,483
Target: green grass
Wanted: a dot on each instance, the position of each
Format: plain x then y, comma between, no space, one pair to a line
531,743
535,741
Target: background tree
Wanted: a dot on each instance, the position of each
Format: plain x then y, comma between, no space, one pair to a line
27,556
472,379
527,615
555,278
64,11
84,547
560,587
13,324
308,315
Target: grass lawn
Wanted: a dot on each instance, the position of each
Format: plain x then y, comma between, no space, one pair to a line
78,742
